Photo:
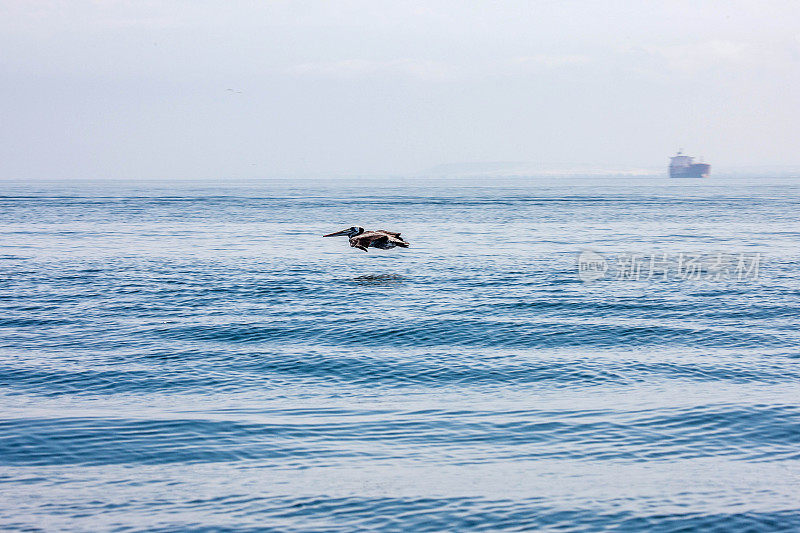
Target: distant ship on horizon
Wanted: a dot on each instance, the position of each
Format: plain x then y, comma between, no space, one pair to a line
683,166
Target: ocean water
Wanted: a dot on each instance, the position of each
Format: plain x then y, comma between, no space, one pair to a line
195,357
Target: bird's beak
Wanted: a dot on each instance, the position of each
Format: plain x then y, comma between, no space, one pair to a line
343,232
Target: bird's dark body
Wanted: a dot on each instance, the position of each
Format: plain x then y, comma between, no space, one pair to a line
381,239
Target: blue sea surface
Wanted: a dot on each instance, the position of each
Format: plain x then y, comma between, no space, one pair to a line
193,356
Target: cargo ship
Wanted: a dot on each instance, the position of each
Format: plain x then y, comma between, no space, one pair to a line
683,166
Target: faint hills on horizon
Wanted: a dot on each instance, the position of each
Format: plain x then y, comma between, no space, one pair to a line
524,168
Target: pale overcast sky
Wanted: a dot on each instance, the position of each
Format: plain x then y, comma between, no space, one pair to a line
199,89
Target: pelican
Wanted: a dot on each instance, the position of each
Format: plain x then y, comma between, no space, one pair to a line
385,240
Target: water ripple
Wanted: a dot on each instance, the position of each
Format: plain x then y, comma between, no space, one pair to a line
197,358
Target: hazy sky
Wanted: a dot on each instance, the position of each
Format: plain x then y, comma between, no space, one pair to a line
198,89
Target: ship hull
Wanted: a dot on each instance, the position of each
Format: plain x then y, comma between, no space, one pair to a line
696,170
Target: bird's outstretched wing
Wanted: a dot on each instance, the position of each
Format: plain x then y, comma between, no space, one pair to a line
397,241
360,242
394,237
377,239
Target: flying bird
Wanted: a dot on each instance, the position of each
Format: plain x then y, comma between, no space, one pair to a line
385,240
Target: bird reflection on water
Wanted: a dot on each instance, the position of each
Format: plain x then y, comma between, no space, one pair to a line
379,279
